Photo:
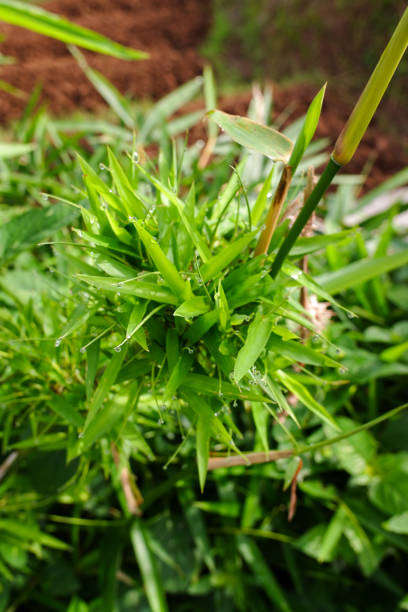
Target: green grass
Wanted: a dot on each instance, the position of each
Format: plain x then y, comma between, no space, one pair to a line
145,334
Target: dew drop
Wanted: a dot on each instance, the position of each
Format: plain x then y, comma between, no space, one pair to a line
118,348
135,157
315,338
161,421
343,370
45,196
190,350
118,293
81,435
119,284
110,190
128,337
82,349
216,414
102,167
58,342
132,219
92,220
79,233
234,404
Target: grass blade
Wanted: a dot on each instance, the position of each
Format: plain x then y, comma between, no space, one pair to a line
41,21
154,588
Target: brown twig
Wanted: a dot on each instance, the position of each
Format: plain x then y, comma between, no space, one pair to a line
207,152
132,494
293,492
247,459
274,212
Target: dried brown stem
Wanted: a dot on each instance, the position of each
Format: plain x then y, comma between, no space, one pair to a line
293,492
132,494
207,152
274,212
247,459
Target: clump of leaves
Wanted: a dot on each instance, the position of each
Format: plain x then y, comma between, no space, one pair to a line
174,339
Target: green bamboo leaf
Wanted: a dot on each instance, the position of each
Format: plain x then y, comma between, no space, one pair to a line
139,537
166,268
257,337
397,523
142,289
134,206
299,352
200,383
193,307
179,205
260,568
107,380
255,136
305,245
109,93
203,429
262,199
261,418
41,21
14,149
332,535
29,228
178,374
134,328
92,360
361,271
216,264
201,408
295,387
168,105
23,530
308,129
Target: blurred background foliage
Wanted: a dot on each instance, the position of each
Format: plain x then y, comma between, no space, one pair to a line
295,41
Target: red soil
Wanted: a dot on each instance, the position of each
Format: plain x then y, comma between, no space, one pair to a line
171,31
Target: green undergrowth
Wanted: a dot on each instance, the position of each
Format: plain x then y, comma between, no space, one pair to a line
143,342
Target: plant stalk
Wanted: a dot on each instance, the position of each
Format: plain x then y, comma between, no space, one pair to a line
352,133
326,178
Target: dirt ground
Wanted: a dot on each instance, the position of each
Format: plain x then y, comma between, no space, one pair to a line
172,32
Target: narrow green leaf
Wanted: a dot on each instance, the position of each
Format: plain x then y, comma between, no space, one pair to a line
105,88
257,337
204,426
193,307
260,568
166,268
107,380
262,199
154,588
37,19
178,375
134,206
219,262
168,105
255,136
23,530
361,271
142,289
308,129
179,205
332,535
305,397
397,523
14,149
